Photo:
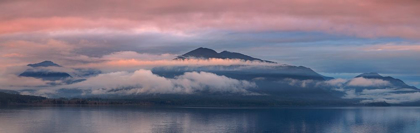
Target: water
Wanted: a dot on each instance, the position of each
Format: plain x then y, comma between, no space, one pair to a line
129,119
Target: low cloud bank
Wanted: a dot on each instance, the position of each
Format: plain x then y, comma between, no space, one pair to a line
356,82
11,81
393,96
145,82
114,64
363,82
372,90
300,83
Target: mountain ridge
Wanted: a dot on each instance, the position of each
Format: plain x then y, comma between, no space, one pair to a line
40,71
207,53
394,81
46,63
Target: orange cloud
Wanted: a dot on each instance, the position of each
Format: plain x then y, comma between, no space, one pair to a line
13,55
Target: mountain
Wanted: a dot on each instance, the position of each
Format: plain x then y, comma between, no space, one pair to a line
201,53
243,72
233,55
44,64
206,53
48,71
373,89
398,83
45,75
41,71
277,83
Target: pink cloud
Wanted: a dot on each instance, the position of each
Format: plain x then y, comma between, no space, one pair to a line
394,47
13,55
60,23
365,18
367,82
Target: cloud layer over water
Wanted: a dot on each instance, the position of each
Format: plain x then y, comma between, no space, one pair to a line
145,82
372,90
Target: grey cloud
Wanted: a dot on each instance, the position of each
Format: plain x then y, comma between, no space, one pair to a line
371,90
384,95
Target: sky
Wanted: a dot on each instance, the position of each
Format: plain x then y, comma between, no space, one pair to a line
339,38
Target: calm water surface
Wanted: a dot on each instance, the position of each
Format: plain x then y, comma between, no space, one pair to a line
128,119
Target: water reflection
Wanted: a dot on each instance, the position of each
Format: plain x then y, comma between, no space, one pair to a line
136,119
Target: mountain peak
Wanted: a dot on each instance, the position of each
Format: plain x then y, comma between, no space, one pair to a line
201,53
394,81
207,53
202,49
44,64
370,75
226,52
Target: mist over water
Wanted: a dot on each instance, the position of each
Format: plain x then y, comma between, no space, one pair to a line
128,119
